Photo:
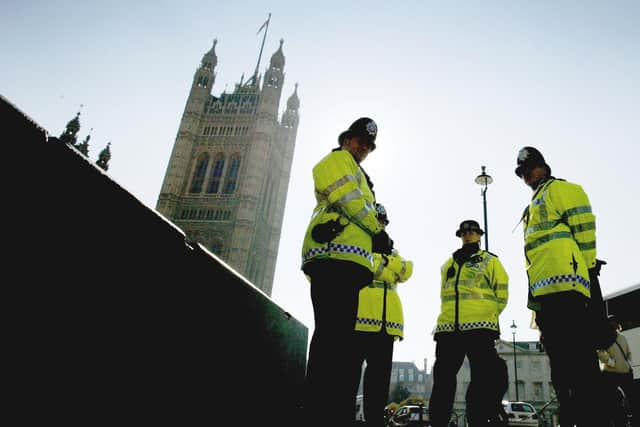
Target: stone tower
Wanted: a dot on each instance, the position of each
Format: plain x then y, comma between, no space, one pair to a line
227,178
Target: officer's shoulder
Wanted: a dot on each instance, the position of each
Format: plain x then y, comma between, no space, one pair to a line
332,157
563,184
491,253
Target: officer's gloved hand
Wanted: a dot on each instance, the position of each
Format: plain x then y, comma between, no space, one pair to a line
599,264
594,272
382,243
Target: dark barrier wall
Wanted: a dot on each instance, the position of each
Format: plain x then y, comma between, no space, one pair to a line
116,318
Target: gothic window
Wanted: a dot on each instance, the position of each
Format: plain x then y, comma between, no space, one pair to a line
216,174
203,81
199,173
273,81
265,195
231,179
269,203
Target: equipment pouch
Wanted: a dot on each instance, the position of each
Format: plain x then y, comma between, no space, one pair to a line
327,231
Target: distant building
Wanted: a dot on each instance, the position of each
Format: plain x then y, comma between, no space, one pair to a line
227,178
534,375
409,376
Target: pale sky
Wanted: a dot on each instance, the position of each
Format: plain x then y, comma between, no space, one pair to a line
452,85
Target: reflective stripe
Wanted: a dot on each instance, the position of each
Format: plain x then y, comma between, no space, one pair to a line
544,226
337,247
380,285
355,194
549,237
403,270
578,210
578,228
379,270
362,212
467,326
587,245
339,183
368,321
378,322
563,278
470,283
468,296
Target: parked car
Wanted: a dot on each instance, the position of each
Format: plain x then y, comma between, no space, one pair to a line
520,414
409,415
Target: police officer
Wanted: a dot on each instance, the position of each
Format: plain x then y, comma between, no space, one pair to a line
617,371
474,291
337,258
560,255
379,323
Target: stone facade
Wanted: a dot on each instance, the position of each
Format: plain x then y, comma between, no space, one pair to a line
227,178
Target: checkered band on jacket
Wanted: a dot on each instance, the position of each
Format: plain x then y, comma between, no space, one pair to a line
468,326
564,278
337,247
378,323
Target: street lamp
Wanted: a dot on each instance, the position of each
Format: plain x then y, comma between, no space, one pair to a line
484,180
515,363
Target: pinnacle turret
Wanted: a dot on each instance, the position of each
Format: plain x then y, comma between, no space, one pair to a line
70,134
277,59
104,157
293,103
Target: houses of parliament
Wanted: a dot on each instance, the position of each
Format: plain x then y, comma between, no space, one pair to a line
227,177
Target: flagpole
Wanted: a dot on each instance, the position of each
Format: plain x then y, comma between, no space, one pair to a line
266,25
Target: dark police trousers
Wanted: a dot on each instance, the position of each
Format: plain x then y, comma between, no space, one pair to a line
564,320
333,373
376,349
486,374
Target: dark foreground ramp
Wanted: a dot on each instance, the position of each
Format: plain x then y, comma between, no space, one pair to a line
115,319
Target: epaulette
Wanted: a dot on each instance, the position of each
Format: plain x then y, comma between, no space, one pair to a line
491,253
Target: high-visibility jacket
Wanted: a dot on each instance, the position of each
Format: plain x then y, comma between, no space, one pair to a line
379,303
343,194
474,295
560,239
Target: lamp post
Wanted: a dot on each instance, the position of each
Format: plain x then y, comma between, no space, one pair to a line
484,180
515,363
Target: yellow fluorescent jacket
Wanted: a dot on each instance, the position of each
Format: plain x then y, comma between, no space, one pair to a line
475,296
379,303
342,192
560,239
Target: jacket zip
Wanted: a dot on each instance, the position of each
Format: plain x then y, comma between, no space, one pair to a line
383,329
456,323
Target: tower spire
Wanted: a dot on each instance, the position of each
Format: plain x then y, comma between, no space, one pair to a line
266,28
